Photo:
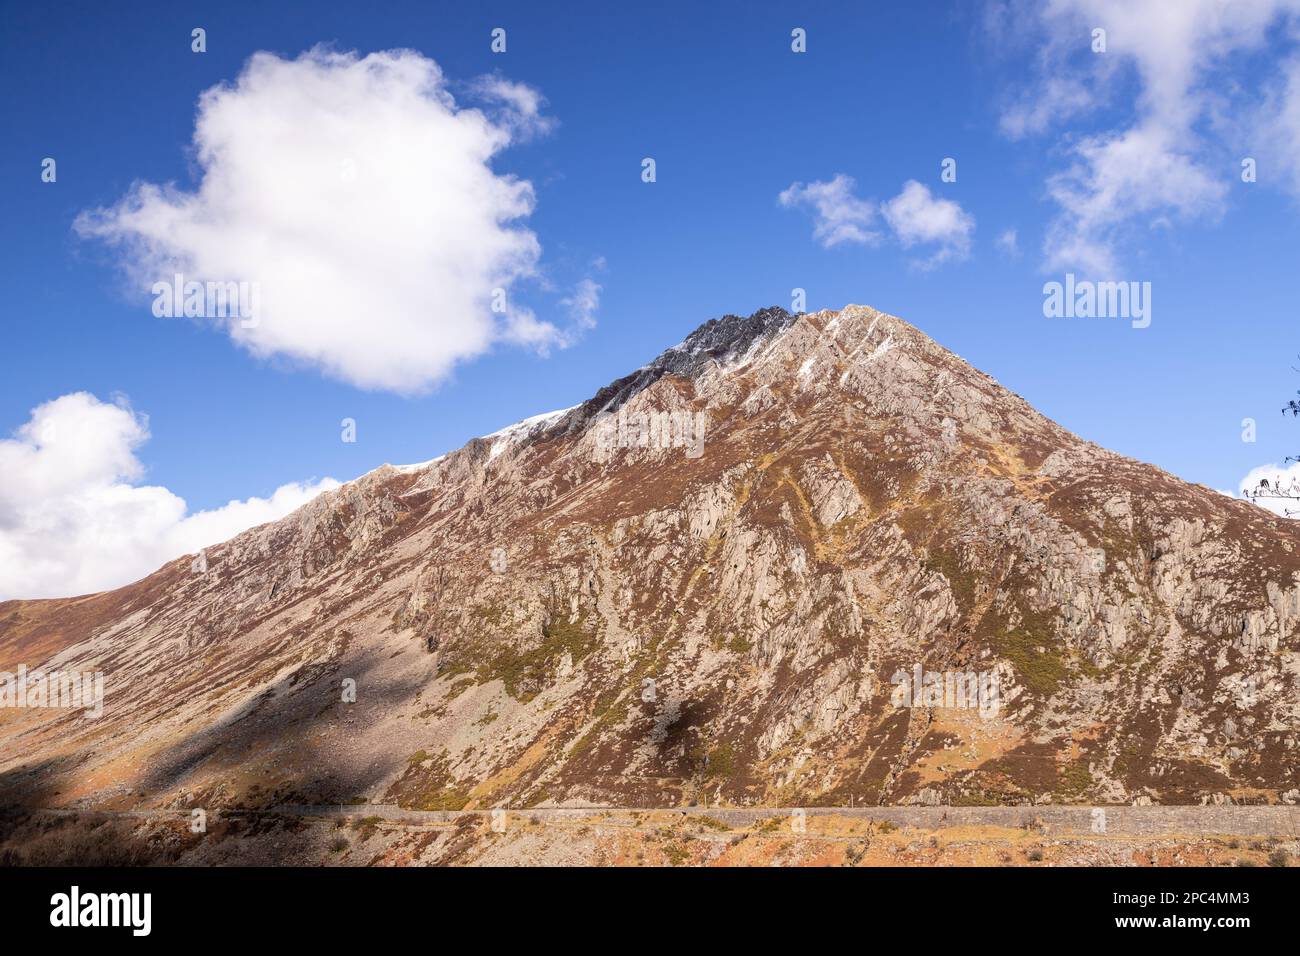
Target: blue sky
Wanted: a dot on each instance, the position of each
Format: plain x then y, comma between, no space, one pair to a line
732,118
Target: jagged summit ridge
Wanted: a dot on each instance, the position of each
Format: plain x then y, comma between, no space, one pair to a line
716,341
723,340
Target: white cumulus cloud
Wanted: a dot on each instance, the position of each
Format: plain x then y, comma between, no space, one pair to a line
361,197
73,517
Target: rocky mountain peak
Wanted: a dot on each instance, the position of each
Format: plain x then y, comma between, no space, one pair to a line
716,341
535,621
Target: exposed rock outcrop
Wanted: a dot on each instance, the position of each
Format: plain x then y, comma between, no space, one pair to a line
552,617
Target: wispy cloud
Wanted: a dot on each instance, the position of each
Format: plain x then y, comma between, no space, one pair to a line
583,304
1169,67
514,106
1009,242
838,215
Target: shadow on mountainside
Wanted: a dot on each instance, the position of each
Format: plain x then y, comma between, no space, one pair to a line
297,742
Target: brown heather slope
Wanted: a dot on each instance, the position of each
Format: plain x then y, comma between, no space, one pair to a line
722,628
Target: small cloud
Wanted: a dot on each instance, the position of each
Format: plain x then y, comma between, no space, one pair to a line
583,304
519,106
838,215
1009,243
918,218
915,216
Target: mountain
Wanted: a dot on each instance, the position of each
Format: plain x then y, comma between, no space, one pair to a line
709,583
